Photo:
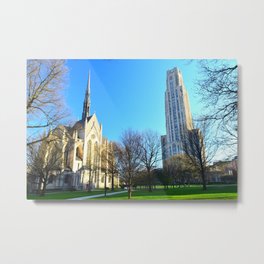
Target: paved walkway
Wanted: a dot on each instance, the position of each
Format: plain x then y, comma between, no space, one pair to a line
95,196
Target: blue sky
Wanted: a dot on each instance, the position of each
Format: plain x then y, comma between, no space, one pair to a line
127,93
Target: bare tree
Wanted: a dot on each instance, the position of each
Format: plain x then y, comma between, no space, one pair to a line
177,170
89,166
129,157
200,148
183,169
97,164
167,175
109,162
141,180
218,88
104,165
44,160
151,148
45,106
112,162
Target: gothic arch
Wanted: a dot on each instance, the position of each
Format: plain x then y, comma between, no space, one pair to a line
96,153
79,153
89,152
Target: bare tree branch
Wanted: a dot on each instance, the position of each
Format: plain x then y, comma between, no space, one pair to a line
200,147
218,88
150,145
129,153
45,103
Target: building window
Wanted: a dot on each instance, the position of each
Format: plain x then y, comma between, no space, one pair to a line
177,135
174,148
51,178
66,179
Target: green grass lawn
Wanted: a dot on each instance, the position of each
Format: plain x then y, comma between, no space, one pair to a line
195,192
64,195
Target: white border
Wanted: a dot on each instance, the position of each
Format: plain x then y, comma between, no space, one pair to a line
178,232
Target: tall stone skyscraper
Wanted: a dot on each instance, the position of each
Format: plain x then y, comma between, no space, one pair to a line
178,114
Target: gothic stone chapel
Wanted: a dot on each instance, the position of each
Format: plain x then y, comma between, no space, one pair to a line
82,150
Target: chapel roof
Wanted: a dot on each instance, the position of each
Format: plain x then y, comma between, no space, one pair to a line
80,124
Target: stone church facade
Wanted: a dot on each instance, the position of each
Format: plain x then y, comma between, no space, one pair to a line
84,151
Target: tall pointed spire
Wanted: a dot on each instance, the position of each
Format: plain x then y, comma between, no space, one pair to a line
86,103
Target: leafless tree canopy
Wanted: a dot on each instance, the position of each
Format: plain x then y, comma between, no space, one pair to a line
218,87
44,159
109,161
45,104
200,147
129,157
150,149
150,145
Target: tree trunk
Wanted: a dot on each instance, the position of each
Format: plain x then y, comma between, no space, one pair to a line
149,181
105,185
90,180
39,186
203,179
112,182
42,193
129,192
204,185
43,190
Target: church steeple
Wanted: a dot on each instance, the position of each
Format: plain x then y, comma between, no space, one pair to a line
86,103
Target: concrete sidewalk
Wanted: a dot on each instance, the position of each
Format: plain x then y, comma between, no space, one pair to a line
95,196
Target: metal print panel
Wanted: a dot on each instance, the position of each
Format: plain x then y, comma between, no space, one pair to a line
122,129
